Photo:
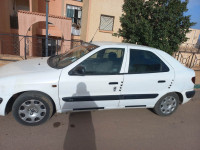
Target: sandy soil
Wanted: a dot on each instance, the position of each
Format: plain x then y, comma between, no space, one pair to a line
131,129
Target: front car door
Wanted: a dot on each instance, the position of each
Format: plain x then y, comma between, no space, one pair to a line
147,78
99,86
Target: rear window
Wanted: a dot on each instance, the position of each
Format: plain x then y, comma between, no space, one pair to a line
142,61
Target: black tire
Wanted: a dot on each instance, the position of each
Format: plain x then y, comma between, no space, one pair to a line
165,106
32,108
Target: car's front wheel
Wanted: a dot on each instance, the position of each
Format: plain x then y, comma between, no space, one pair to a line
32,108
167,104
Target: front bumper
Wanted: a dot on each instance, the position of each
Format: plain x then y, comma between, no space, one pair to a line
190,94
3,103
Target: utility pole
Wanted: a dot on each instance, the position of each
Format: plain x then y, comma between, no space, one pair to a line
47,23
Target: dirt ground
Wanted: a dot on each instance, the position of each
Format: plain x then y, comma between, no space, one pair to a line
132,129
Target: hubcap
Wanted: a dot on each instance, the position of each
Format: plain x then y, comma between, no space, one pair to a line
168,105
32,111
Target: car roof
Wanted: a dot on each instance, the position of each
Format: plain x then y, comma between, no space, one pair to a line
122,44
164,55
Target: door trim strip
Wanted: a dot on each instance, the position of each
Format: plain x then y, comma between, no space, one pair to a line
91,108
136,106
108,97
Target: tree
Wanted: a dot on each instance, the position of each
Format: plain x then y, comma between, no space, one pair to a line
156,23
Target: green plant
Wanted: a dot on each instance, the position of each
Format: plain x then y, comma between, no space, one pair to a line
156,23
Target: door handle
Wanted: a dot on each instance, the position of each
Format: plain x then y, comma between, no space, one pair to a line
111,83
161,81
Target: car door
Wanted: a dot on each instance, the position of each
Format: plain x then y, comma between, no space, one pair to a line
99,86
147,78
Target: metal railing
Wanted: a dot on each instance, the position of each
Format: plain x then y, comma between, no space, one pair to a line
24,46
189,55
21,45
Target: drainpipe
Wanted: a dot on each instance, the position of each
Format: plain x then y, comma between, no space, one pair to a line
47,15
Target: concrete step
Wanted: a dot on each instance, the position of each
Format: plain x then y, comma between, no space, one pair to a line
10,57
5,58
3,62
14,57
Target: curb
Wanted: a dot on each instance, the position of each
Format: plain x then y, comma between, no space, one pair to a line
197,86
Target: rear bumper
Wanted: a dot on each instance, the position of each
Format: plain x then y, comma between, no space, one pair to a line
190,94
187,95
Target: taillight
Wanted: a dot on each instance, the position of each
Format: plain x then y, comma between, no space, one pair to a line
193,80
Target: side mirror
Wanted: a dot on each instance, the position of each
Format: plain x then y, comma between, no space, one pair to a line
79,70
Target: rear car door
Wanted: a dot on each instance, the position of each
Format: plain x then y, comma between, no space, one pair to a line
147,78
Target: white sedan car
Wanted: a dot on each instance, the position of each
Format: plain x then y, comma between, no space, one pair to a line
91,77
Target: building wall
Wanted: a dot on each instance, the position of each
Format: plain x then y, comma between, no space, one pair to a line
85,19
33,5
193,36
91,11
55,7
105,7
41,6
22,5
6,9
9,8
5,16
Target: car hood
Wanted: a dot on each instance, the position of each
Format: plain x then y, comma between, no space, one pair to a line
25,66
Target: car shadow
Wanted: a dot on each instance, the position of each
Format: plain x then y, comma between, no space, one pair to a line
80,133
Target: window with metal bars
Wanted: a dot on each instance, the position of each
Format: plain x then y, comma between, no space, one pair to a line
106,23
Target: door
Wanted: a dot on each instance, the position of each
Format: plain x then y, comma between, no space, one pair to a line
98,87
147,78
51,47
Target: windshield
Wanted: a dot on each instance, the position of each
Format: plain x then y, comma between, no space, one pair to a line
63,60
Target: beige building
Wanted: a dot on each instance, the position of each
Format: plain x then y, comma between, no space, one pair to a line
69,19
193,36
193,42
93,16
101,19
88,18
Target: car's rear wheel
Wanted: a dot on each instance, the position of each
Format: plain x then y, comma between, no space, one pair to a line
32,108
167,104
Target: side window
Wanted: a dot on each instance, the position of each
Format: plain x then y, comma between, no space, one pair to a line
142,61
105,62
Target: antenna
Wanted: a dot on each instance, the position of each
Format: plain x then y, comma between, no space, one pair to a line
94,35
98,29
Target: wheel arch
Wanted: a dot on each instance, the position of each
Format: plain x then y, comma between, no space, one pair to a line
16,95
180,97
